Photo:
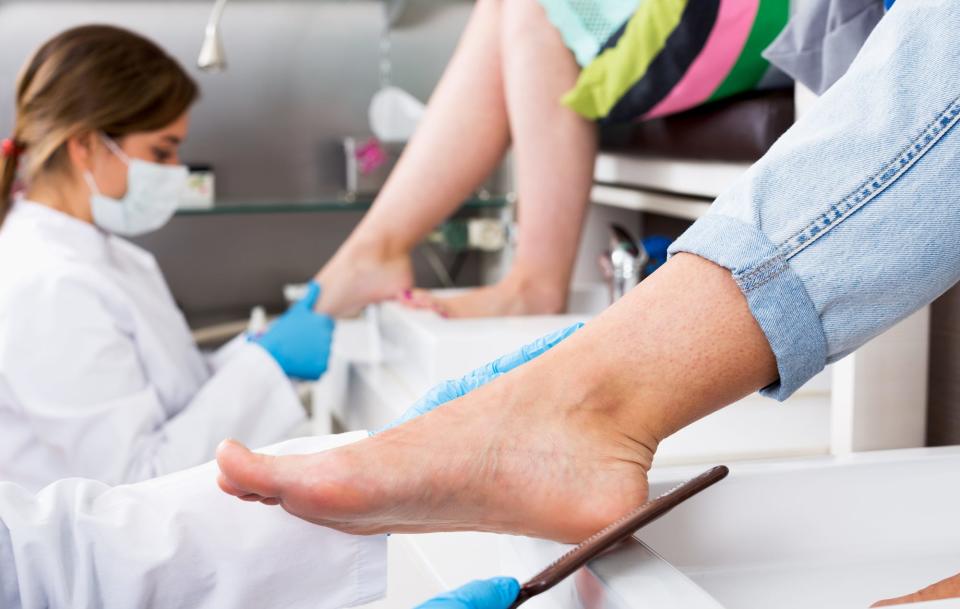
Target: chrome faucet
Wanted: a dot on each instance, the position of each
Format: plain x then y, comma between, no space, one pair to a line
623,263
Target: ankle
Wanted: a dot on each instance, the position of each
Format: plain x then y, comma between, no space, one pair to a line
377,243
539,292
586,398
622,414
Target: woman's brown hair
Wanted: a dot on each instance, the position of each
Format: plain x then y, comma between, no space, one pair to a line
94,78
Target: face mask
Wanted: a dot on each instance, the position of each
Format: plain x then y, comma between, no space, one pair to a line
153,192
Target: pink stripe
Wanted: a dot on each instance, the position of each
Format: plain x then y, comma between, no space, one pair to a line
724,44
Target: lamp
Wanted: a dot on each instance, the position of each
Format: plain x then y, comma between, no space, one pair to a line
212,56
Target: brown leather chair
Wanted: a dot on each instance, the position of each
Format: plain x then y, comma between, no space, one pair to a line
674,166
739,129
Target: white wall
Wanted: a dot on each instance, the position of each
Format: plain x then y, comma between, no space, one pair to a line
301,74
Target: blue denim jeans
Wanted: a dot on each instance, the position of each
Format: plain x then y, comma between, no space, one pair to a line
852,220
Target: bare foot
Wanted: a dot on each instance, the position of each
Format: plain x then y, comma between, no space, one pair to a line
510,297
497,460
359,275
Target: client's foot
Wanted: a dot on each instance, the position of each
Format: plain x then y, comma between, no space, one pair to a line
509,297
358,276
501,459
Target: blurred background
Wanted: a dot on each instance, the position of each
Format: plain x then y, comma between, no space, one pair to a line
300,78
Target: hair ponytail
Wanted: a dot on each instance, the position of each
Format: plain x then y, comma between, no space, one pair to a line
94,78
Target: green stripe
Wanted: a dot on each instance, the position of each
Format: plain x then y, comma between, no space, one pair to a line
602,83
772,16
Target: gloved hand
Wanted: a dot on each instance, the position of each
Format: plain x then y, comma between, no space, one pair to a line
496,593
300,339
451,390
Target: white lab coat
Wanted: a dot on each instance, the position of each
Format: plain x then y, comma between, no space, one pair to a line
178,542
99,375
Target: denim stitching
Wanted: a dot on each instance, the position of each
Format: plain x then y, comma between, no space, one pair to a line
890,173
762,273
875,185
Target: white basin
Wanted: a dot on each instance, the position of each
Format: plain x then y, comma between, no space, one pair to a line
810,533
426,349
815,533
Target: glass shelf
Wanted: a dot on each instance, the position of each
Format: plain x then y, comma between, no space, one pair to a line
331,203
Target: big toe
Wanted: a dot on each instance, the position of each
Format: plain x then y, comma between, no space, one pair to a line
421,299
247,474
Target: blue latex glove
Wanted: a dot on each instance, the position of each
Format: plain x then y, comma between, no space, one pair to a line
496,593
451,390
300,339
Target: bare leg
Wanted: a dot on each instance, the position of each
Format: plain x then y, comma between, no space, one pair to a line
557,448
461,140
555,150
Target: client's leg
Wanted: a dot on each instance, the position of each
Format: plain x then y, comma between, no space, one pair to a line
555,150
462,138
557,448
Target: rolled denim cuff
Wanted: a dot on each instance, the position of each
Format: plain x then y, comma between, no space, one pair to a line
775,294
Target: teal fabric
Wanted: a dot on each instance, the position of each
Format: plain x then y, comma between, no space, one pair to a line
586,25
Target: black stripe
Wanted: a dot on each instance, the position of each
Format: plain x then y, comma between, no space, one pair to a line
668,67
615,37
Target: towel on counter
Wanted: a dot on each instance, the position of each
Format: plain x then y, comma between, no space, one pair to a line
822,39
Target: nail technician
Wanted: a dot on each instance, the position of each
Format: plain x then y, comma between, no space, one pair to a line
99,375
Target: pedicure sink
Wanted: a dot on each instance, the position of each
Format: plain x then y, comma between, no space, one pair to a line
810,533
797,534
425,348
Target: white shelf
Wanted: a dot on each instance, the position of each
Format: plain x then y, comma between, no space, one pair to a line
687,208
704,179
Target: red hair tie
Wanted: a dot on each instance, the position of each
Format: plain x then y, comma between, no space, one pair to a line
10,148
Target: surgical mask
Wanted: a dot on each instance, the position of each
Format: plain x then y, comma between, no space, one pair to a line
153,193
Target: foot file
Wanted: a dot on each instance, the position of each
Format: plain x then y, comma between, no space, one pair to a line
620,530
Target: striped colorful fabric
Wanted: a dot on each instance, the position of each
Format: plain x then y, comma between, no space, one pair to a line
673,55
